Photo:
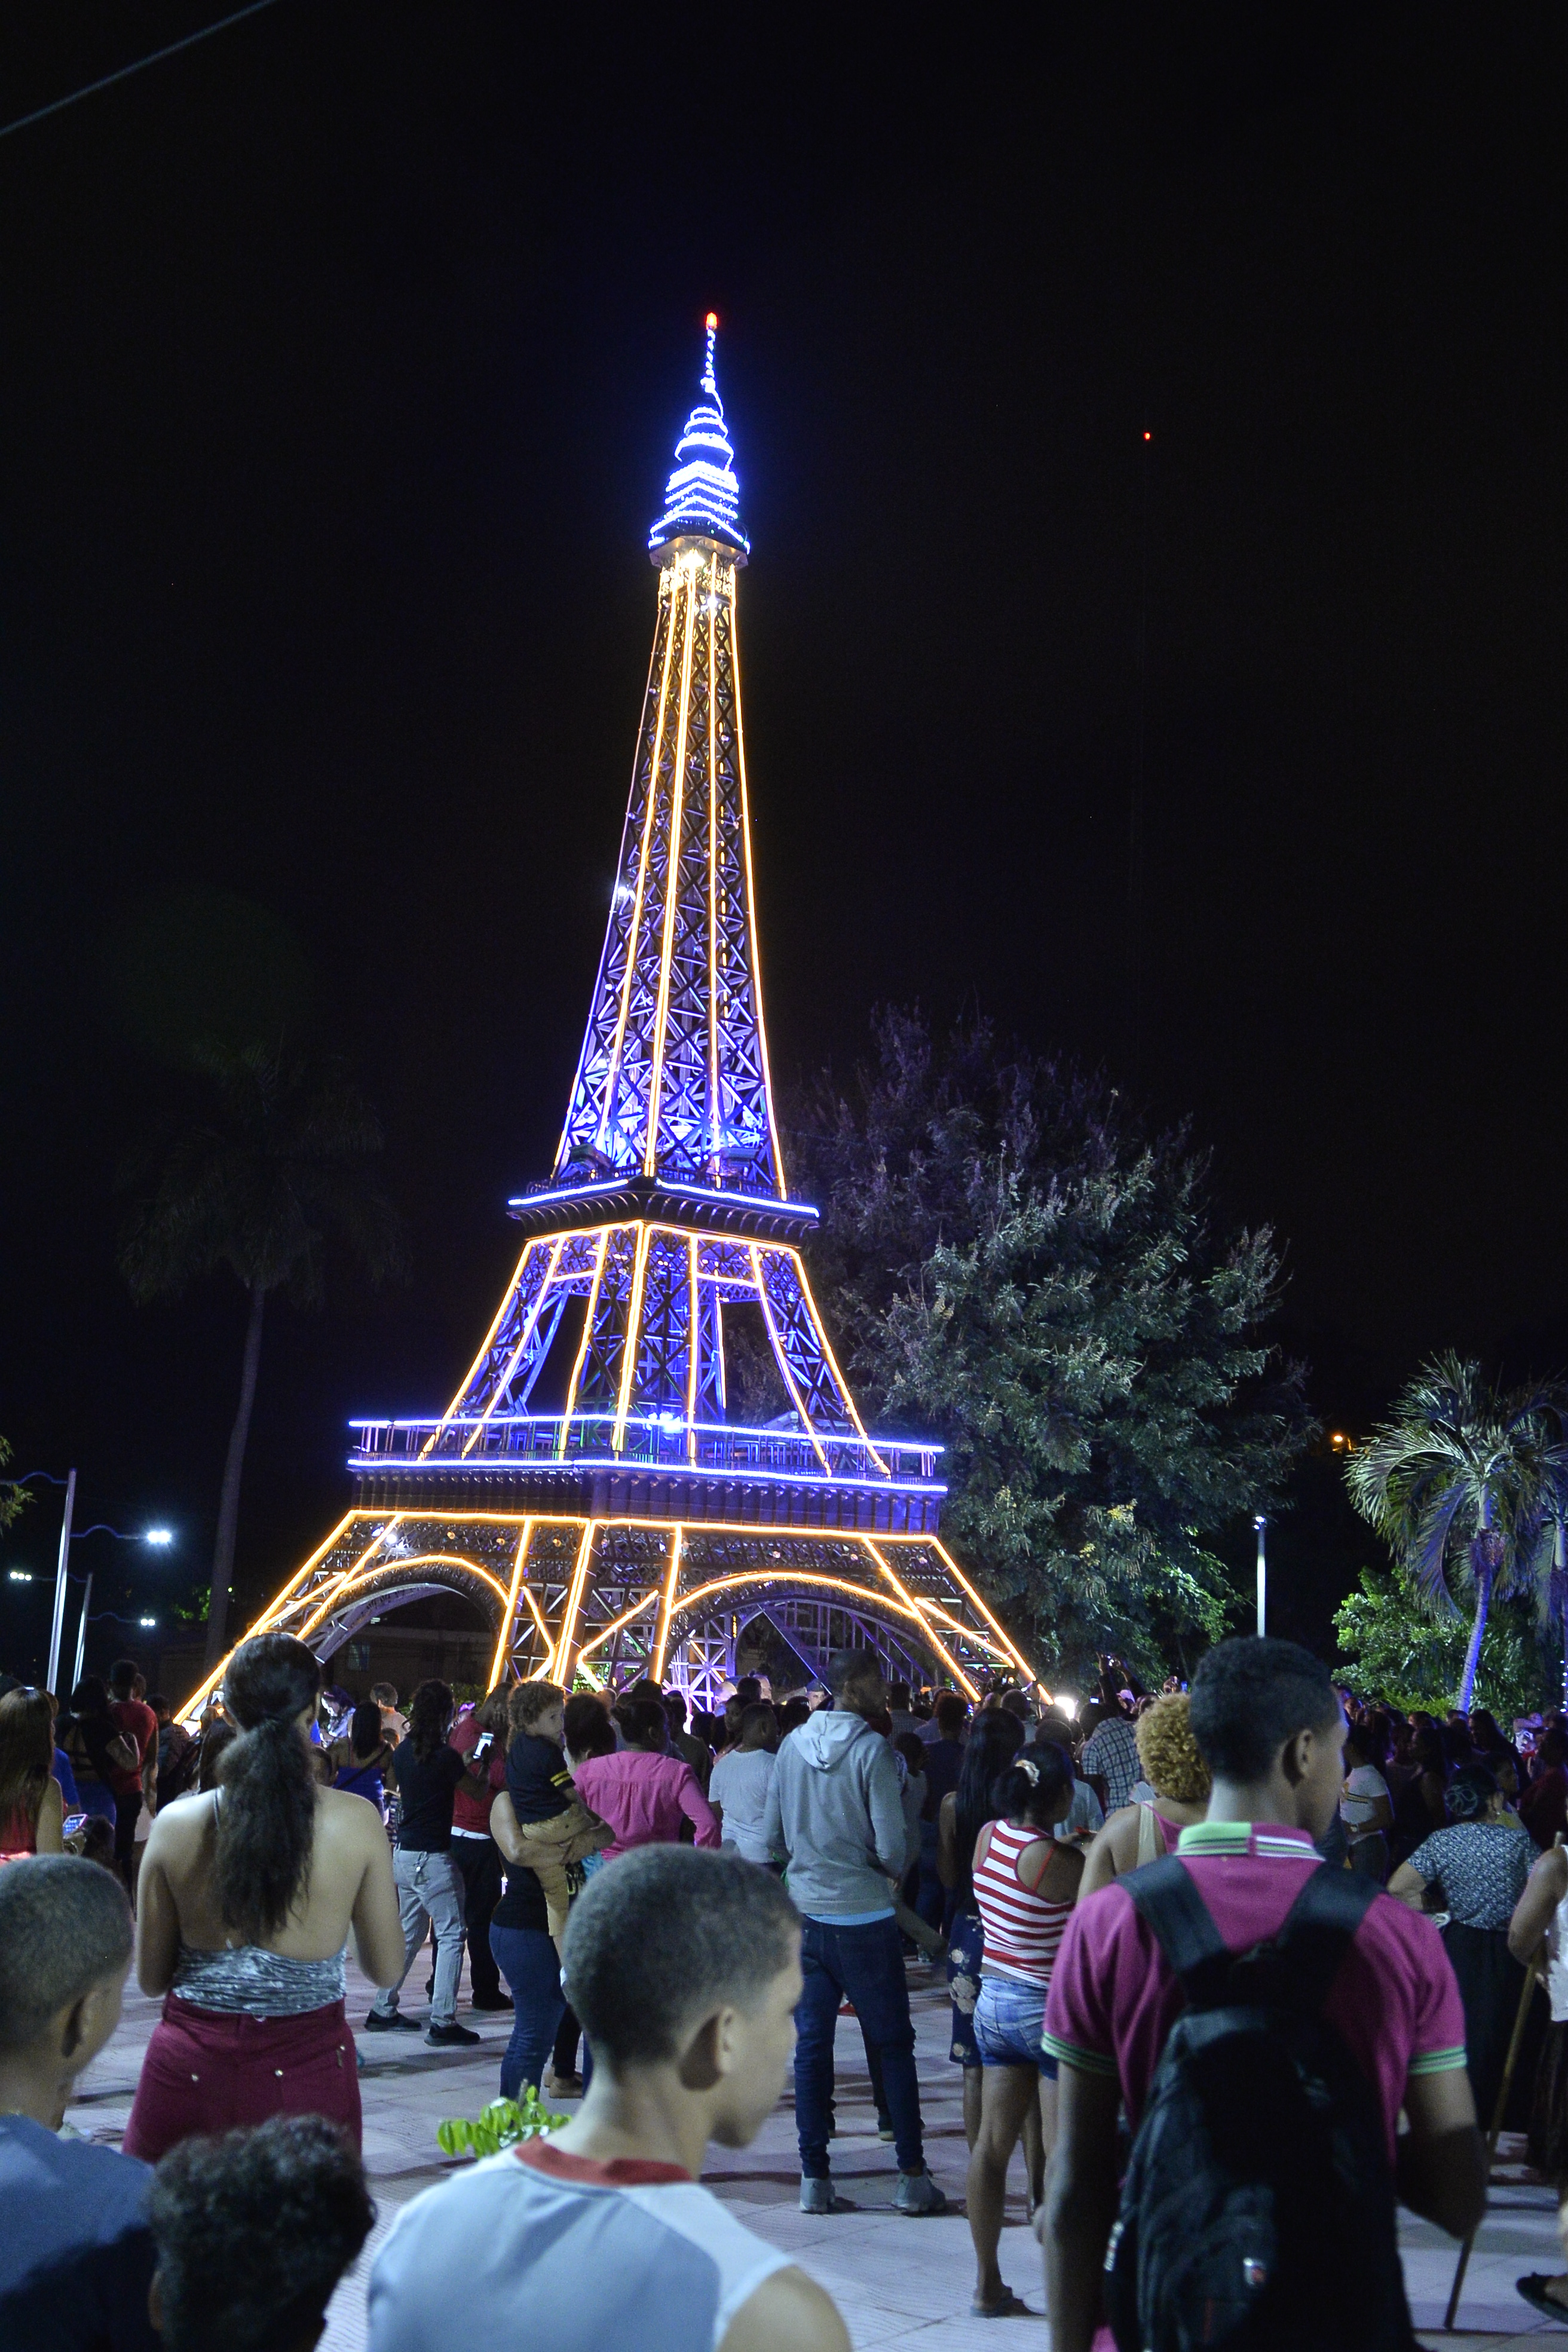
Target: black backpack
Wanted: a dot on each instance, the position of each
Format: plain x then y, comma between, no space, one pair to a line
181,1777
1258,2208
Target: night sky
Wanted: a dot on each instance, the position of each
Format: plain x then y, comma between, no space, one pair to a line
341,362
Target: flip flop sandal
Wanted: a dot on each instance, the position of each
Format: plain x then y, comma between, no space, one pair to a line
1533,2290
1012,2306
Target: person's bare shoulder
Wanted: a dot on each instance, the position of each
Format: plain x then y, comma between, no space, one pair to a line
343,1813
788,2313
180,1826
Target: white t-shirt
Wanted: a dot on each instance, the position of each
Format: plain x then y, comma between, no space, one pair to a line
1362,1788
739,1785
535,2247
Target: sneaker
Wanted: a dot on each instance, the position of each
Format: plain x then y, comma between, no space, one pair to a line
918,2194
818,2197
451,2037
392,2021
490,2001
885,2128
563,2086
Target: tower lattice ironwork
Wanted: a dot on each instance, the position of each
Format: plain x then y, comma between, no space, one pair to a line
593,1485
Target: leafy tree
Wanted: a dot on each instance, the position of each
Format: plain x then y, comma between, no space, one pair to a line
1394,1646
1465,1480
275,1157
13,1499
1013,1265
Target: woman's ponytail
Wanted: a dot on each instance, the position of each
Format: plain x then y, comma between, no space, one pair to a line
266,1819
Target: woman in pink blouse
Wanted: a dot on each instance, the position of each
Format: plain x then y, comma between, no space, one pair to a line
644,1792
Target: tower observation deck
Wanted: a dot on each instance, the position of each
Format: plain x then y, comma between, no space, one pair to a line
594,1484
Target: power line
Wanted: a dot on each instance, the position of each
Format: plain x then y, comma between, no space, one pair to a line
123,73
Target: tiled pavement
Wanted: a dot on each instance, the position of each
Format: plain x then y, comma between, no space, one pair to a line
895,2281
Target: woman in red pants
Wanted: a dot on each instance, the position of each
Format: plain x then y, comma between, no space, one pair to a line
248,1897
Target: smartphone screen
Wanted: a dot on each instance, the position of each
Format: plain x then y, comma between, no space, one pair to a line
483,1745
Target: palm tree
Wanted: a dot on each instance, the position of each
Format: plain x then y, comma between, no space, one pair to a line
1464,1473
275,1158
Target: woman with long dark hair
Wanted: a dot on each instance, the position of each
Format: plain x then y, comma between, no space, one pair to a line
249,1892
363,1757
31,1816
95,1747
994,1738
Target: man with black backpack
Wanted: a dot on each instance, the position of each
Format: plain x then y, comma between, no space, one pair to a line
1263,2018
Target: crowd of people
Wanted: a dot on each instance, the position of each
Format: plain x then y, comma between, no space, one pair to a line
693,1900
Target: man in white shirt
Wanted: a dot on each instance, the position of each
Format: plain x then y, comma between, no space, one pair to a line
684,1968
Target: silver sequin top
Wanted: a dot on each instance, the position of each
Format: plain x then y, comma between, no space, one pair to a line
251,1981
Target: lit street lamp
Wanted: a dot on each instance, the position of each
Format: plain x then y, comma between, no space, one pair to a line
155,1536
1262,1524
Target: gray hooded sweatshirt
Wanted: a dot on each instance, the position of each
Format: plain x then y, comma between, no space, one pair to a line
837,1810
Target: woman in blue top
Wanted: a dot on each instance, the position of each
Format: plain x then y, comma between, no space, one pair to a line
1478,1867
361,1758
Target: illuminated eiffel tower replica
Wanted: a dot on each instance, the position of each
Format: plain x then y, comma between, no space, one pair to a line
592,1486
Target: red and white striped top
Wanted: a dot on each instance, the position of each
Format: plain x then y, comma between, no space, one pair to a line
1023,1931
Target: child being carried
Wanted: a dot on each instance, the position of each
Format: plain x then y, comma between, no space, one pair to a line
538,1820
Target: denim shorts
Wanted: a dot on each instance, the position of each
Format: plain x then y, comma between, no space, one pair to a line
1009,2018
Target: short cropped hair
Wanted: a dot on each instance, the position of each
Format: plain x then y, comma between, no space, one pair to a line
1251,1695
1168,1752
254,2231
950,1711
64,1927
529,1701
847,1669
666,1936
760,1719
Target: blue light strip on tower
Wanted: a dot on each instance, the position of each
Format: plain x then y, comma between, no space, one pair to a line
702,498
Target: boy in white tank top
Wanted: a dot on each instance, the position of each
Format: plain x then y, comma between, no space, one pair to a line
684,1969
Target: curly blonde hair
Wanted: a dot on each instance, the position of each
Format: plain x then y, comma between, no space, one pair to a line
1169,1753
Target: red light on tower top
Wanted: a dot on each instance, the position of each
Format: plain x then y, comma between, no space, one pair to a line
713,320
1148,436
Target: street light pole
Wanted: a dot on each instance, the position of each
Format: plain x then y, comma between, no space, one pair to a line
56,1627
1262,1524
82,1629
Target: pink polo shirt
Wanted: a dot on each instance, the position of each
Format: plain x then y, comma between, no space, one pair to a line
645,1798
1113,1999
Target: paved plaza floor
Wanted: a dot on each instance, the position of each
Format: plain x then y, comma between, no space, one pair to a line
897,2282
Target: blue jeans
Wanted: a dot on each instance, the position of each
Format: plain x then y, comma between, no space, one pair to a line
866,1966
528,1959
